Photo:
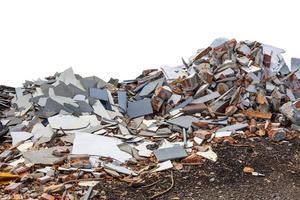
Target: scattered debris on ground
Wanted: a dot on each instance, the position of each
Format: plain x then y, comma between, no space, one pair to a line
70,137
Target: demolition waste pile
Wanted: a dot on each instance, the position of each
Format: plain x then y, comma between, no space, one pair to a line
62,135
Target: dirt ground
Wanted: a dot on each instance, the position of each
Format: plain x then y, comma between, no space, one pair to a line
224,179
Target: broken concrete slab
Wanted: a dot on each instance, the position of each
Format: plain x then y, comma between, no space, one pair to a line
86,143
150,87
183,121
171,153
164,166
68,122
119,169
172,73
101,111
289,110
234,127
68,77
206,98
122,100
40,132
210,154
139,108
18,137
42,156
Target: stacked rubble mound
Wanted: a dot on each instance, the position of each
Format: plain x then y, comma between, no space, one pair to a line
67,129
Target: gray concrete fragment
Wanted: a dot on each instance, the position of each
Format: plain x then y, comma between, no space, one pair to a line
42,156
85,143
119,169
100,94
233,127
226,72
290,94
150,87
296,127
295,64
170,153
122,100
183,121
289,110
206,98
183,104
84,107
18,137
139,108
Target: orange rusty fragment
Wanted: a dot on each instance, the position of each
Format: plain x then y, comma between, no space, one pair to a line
208,77
267,60
248,170
230,140
230,110
163,93
190,83
222,88
195,108
257,114
260,99
200,124
194,158
156,102
253,126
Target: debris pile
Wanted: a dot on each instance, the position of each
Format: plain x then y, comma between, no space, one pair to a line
5,97
66,133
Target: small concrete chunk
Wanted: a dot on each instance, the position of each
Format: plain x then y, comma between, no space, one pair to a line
170,153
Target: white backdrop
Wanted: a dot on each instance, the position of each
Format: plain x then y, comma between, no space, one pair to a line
121,38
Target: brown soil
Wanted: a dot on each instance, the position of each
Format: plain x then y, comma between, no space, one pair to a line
224,179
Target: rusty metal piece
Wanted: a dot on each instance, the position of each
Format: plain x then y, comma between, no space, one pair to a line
257,114
261,99
194,108
230,110
222,88
156,103
200,124
253,126
267,60
163,93
190,83
193,158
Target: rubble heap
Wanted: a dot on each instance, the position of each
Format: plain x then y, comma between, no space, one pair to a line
5,97
67,129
